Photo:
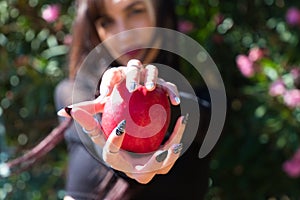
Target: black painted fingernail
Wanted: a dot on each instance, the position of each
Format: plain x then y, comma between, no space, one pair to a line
68,110
162,156
133,86
177,99
185,119
177,148
121,128
150,85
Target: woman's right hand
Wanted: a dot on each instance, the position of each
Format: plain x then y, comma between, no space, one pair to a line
134,74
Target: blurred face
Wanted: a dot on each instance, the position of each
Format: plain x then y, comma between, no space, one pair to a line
120,17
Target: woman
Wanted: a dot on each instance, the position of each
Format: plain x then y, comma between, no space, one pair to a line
96,22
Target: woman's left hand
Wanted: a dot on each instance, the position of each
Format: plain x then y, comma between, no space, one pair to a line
143,168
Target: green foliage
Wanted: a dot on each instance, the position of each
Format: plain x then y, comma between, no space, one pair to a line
33,56
262,130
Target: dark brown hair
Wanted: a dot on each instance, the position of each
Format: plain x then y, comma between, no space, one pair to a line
85,37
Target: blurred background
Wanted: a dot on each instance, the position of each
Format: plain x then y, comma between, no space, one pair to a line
254,43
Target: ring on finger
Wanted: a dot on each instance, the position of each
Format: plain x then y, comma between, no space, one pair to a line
112,152
93,133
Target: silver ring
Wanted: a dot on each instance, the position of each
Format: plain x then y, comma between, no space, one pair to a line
89,131
94,136
112,152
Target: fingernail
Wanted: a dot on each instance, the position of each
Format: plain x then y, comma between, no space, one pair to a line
177,148
177,100
132,86
185,119
162,156
68,110
149,85
121,128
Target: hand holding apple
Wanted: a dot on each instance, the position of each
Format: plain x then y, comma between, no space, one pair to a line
141,168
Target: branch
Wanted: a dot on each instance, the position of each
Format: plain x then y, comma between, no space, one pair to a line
37,152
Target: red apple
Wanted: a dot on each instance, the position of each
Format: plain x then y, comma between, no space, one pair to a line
147,115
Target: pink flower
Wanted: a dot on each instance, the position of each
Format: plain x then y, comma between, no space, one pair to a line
277,88
295,72
255,54
51,13
68,39
292,98
293,16
185,26
245,65
292,166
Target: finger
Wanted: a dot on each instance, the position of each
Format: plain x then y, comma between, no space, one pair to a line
110,78
92,107
115,139
154,163
142,178
151,73
111,151
171,90
65,112
85,119
173,155
133,74
117,161
90,125
177,132
145,173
